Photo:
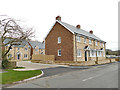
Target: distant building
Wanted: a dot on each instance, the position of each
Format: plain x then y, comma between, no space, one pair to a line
69,43
25,50
37,47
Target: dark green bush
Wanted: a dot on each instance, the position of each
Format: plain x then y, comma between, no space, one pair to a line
5,64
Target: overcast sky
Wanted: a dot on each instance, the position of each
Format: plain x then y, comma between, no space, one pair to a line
101,16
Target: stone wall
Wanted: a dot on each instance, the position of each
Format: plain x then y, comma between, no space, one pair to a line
43,57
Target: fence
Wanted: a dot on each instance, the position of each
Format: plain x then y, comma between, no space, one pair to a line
43,57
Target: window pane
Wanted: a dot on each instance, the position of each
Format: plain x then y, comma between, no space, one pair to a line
78,38
59,39
59,52
79,52
84,40
90,41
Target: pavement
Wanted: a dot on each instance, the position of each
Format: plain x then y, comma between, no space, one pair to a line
101,76
34,66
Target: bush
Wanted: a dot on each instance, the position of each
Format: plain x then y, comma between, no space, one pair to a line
5,64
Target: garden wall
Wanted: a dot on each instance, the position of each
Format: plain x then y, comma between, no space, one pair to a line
43,58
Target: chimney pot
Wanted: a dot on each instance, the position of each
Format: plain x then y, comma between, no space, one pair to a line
91,31
58,18
78,26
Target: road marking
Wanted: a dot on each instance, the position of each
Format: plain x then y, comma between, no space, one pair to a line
91,77
88,79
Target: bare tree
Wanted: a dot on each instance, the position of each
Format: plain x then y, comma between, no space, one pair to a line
9,29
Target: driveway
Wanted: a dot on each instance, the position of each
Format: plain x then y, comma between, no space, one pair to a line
30,65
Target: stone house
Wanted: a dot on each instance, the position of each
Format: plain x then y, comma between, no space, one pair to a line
25,50
37,47
19,52
70,43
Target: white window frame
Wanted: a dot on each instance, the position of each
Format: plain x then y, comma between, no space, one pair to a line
90,41
78,39
26,49
59,52
96,43
103,53
100,43
25,55
92,53
59,39
84,40
79,52
36,50
103,44
99,53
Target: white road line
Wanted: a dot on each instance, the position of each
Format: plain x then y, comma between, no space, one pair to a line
87,78
91,77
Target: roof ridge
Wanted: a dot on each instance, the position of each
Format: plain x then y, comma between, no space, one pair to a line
73,29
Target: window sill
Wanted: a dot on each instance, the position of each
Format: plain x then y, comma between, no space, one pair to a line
92,56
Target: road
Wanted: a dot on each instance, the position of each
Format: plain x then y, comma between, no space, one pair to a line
102,76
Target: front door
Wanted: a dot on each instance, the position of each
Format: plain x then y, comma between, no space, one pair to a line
85,55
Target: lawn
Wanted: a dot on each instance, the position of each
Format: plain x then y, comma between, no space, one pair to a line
13,76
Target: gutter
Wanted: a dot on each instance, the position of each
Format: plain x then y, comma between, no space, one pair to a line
75,47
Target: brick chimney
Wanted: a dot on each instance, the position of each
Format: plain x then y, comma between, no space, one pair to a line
91,31
58,18
78,26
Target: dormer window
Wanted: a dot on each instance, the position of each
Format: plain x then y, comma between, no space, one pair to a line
78,38
59,39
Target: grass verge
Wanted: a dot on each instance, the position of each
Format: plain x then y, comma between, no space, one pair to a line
13,76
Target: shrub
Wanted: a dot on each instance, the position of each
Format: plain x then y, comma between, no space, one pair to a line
5,63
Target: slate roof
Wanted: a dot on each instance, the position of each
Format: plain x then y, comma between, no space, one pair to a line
73,29
22,44
37,43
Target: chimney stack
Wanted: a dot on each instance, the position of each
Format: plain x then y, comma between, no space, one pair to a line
78,26
58,18
91,31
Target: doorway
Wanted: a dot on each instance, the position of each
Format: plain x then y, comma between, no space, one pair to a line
85,55
18,56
